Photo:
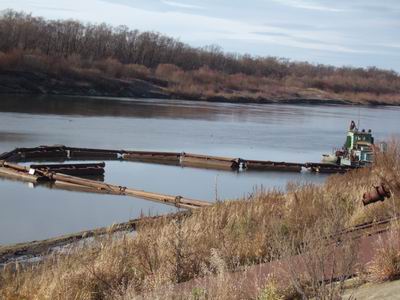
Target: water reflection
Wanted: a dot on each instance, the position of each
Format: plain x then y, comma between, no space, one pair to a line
31,212
7,136
145,108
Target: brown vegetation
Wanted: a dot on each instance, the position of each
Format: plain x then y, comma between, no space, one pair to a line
70,49
386,263
217,240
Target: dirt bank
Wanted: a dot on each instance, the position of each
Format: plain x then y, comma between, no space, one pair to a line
42,83
26,82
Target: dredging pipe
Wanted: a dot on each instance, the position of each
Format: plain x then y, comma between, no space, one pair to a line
178,201
65,153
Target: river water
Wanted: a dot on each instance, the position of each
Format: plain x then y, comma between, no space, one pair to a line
251,131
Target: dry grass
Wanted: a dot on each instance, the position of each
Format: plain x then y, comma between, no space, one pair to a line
215,240
386,263
205,83
317,268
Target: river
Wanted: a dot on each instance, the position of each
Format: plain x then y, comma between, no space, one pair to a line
253,131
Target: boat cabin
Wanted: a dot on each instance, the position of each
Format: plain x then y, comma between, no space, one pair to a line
358,146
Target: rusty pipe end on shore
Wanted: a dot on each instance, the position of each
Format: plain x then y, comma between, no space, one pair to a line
378,193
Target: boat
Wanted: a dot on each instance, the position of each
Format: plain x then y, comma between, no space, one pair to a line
357,151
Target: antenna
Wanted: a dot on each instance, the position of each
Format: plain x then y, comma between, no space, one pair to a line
358,122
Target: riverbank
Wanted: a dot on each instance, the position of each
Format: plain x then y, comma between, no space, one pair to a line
35,249
46,83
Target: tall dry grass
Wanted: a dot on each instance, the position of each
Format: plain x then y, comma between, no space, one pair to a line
220,239
386,263
318,267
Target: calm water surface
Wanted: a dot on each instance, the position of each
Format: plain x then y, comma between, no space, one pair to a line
269,132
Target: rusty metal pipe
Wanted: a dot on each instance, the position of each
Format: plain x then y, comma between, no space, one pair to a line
379,193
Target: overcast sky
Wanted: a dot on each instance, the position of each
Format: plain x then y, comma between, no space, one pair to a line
340,32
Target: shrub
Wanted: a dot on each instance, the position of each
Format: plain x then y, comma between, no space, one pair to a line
110,66
136,71
10,59
169,72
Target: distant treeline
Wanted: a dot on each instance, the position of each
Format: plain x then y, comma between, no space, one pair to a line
89,46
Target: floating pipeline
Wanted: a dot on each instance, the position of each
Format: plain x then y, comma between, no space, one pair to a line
66,175
93,169
167,158
72,182
209,162
22,175
69,175
63,153
59,153
272,166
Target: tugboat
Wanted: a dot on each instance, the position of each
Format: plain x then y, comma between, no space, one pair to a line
357,151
